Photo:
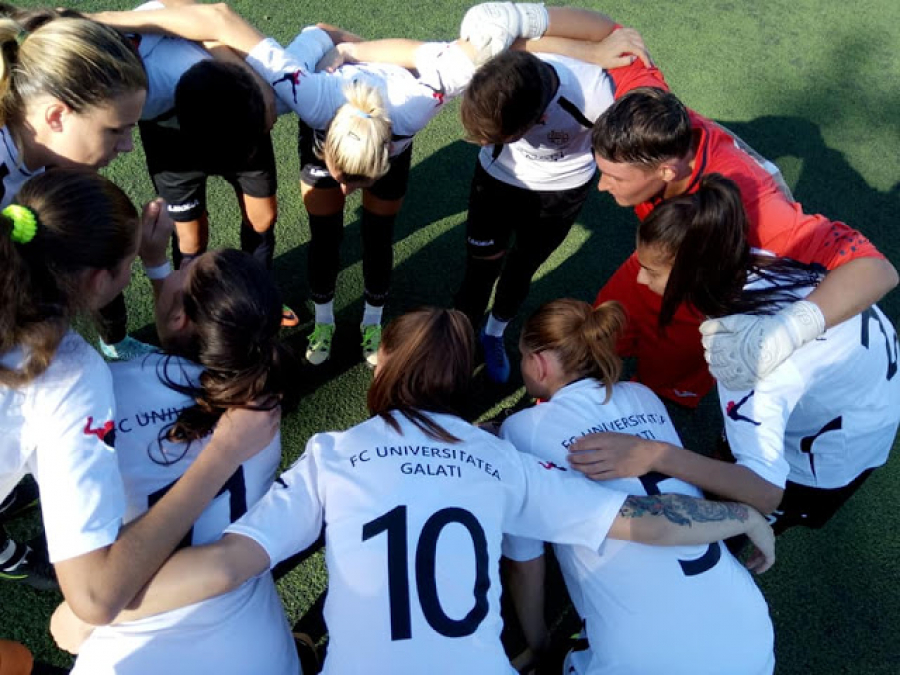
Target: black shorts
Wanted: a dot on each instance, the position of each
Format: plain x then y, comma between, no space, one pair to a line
179,176
497,209
390,187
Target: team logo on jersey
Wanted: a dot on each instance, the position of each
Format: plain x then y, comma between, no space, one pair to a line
558,137
733,410
552,465
294,79
106,432
438,93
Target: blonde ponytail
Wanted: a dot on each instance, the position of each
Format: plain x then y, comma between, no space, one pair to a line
358,140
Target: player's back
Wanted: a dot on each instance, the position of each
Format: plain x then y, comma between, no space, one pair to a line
413,533
412,542
225,633
715,618
829,412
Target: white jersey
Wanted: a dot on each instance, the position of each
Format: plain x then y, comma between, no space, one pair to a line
443,69
413,530
13,173
165,59
826,414
60,428
232,634
716,620
556,153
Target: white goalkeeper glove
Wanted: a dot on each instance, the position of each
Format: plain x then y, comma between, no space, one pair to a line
492,27
744,348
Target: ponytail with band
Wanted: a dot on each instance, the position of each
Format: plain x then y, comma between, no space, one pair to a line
24,223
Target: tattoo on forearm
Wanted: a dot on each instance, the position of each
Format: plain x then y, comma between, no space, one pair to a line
683,510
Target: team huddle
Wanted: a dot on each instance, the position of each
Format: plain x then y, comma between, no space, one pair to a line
157,467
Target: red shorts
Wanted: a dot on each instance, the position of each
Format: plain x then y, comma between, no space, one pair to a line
669,361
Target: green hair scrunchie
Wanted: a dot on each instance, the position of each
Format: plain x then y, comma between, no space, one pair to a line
24,223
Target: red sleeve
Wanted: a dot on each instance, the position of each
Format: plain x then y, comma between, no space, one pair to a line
636,75
785,230
778,225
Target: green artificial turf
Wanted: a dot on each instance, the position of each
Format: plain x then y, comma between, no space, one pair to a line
811,84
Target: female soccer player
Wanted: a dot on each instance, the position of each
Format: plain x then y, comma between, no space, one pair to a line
66,247
218,322
71,92
185,144
356,132
808,435
714,617
414,502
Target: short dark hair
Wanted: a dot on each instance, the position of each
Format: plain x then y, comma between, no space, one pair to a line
221,110
646,126
506,97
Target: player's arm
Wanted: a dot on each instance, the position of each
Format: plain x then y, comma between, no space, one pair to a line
525,583
156,232
852,288
99,584
606,456
578,33
200,23
677,520
191,575
744,349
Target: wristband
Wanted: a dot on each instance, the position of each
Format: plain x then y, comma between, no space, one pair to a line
158,272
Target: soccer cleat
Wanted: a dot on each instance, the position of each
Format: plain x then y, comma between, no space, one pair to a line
318,351
27,566
371,340
23,497
127,349
496,362
289,318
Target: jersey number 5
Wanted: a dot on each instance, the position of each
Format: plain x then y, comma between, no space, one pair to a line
394,523
689,568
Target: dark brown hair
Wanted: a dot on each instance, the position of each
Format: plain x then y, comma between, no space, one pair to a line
85,223
705,235
240,114
646,126
428,368
506,97
582,338
235,308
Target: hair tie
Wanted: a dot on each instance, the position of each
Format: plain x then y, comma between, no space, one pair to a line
361,113
24,223
21,35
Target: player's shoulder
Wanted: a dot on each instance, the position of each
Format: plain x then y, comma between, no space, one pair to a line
76,363
636,390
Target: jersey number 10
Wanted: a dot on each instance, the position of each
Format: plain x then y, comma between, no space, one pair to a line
394,523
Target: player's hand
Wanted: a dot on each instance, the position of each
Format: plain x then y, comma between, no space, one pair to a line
241,433
763,539
492,27
604,456
331,61
68,630
744,348
621,48
156,231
